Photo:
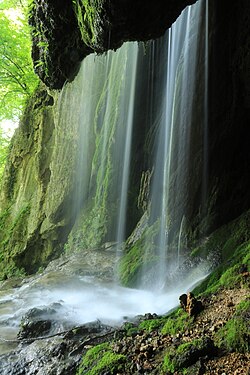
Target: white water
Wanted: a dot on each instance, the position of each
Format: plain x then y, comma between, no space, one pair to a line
80,298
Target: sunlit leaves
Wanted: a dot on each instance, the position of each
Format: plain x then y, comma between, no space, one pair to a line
17,78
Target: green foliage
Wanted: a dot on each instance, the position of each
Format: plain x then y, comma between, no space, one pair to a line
234,336
227,274
168,365
17,78
130,328
227,238
101,359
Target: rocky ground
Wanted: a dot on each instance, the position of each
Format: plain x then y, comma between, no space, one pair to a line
141,344
146,350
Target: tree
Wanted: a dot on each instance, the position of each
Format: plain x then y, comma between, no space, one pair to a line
17,77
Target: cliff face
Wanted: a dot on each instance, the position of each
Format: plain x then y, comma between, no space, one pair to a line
66,31
40,179
36,189
229,114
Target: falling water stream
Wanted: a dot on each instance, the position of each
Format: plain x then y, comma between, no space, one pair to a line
99,107
172,145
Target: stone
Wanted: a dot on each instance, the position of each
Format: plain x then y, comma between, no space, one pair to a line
35,329
64,32
190,304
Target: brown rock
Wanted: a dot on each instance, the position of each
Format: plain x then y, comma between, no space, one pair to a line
190,304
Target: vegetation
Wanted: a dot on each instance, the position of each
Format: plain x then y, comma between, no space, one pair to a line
185,355
101,359
177,323
235,335
17,78
140,255
232,244
4,146
11,232
86,12
180,347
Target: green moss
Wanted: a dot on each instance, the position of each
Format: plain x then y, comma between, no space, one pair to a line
183,356
141,255
168,365
12,232
86,12
152,324
243,307
232,243
130,328
101,359
177,323
197,343
227,274
227,238
235,335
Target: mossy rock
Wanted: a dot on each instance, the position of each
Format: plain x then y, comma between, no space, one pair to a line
101,359
140,257
232,244
235,335
187,354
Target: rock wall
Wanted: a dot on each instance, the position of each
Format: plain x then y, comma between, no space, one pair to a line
229,114
66,31
36,190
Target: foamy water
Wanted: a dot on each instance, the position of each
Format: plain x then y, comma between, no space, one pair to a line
71,300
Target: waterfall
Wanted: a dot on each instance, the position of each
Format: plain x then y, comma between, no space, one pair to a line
96,113
116,103
174,123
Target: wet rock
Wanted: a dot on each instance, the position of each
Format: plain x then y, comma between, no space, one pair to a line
87,329
37,322
35,329
40,357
